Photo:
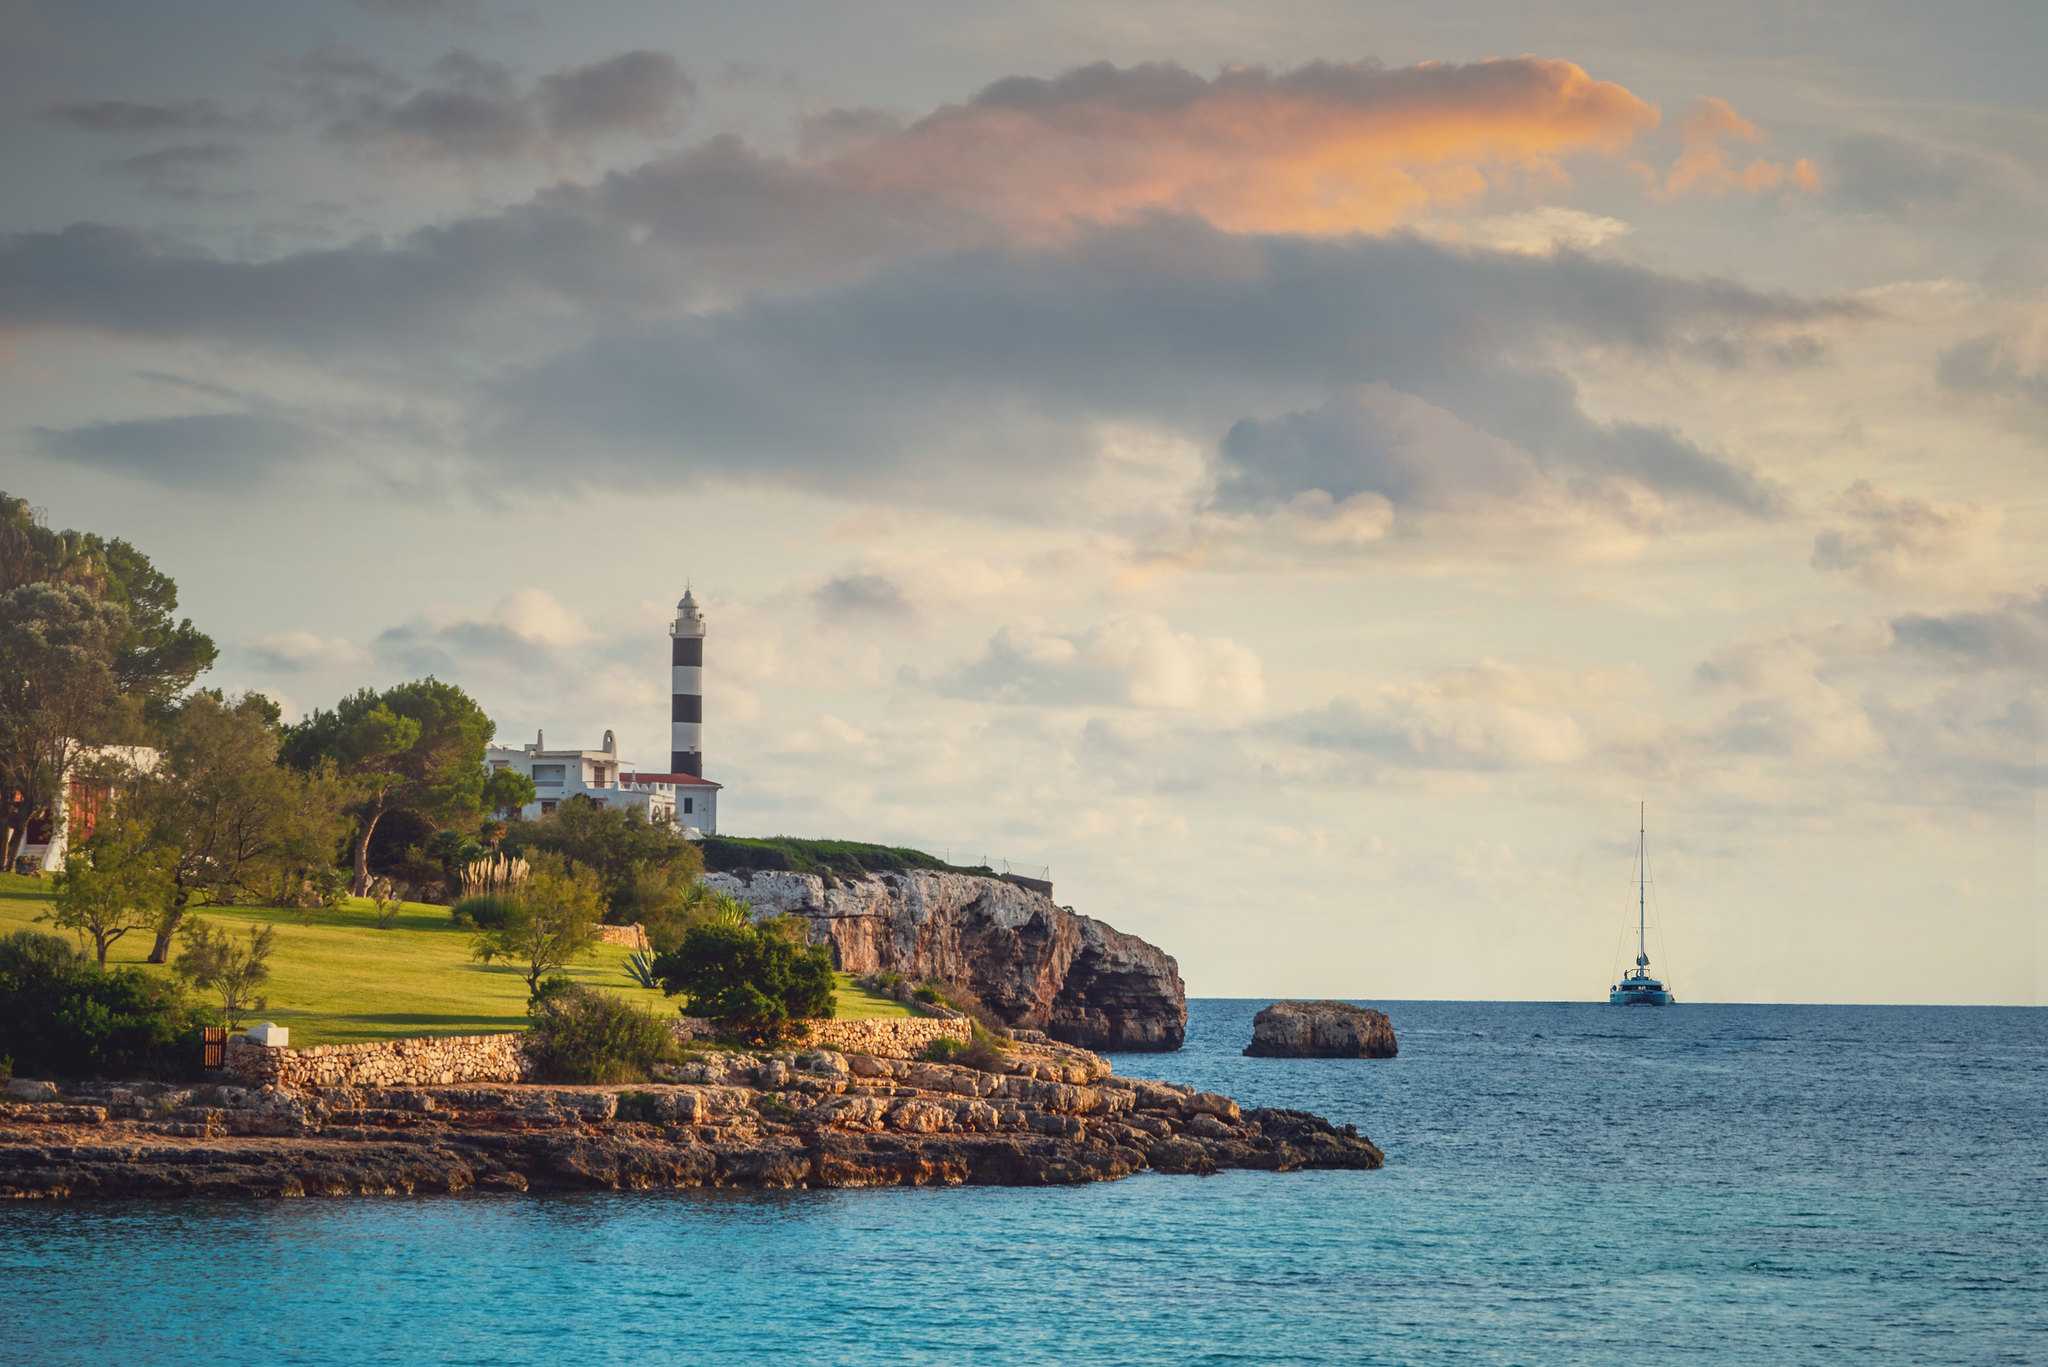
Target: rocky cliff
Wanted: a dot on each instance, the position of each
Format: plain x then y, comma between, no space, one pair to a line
1036,964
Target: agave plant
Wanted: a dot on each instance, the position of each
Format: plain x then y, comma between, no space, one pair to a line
729,911
640,968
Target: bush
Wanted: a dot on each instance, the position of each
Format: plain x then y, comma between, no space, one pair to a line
753,979
584,1035
60,1016
485,912
985,1053
982,1053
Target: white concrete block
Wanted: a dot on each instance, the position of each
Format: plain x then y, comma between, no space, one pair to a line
271,1036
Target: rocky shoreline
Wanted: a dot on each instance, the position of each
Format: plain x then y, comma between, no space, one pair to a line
1052,1116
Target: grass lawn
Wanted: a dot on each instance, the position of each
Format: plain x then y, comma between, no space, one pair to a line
342,981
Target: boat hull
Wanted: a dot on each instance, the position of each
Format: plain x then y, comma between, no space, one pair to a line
1657,997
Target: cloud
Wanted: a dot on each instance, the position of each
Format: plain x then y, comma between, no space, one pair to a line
299,652
1921,710
179,171
1890,541
1703,168
530,625
1375,458
474,112
478,110
1536,232
634,91
989,377
862,596
1136,660
1488,717
860,316
2011,636
2006,369
1323,148
217,450
1901,178
141,116
465,11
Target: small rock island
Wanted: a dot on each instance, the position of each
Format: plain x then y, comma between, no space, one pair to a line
1293,1029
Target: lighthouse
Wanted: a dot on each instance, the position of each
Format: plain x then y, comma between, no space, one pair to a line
686,706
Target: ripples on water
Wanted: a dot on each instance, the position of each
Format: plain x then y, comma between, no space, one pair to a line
1564,1183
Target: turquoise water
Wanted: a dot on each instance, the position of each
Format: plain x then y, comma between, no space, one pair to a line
1564,1183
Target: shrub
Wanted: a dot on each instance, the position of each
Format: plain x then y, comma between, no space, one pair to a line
640,968
930,995
584,1035
216,961
386,900
753,979
61,1016
984,1053
487,911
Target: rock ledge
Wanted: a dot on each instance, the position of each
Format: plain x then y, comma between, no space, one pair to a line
1054,1115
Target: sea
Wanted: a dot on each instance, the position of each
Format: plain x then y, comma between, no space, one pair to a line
1565,1183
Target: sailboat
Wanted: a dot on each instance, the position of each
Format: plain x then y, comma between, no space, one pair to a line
1637,987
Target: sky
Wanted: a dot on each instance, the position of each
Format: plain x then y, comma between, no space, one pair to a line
1303,473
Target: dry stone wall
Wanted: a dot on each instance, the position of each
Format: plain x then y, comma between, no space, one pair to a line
632,937
499,1058
385,1063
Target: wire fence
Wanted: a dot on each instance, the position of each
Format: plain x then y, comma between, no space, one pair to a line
1041,872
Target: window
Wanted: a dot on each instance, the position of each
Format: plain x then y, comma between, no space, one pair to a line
689,805
500,765
546,807
548,775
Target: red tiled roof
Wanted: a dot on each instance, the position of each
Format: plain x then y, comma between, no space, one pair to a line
679,780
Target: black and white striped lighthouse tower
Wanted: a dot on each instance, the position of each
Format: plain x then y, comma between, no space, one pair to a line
686,713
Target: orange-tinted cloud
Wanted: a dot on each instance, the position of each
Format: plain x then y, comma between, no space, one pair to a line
1704,167
1324,148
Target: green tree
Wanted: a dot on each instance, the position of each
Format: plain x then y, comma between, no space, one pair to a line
507,791
552,922
232,814
417,747
754,979
640,863
157,656
215,961
58,694
119,880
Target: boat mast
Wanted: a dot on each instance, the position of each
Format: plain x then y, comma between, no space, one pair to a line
1642,883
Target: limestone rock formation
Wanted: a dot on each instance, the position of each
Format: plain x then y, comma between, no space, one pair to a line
1047,1115
1034,963
1321,1030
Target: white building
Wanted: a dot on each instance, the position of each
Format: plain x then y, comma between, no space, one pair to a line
53,831
600,775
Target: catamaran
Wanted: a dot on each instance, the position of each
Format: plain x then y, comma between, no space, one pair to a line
1638,988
